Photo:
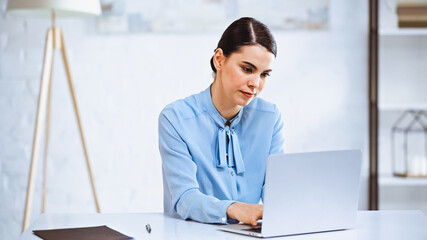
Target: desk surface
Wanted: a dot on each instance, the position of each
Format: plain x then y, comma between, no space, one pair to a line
387,225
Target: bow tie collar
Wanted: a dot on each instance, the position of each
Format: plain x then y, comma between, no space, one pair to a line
227,148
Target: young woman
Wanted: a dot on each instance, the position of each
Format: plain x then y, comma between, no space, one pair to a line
214,145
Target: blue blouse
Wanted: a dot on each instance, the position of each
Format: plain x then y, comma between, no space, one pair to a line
208,163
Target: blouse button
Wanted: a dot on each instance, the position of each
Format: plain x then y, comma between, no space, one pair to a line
232,173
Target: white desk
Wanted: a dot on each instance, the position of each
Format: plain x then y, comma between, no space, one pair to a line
375,225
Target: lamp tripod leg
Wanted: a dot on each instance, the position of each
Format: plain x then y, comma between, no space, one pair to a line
76,111
41,108
47,135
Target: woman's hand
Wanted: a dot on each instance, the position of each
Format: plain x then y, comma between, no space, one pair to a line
247,213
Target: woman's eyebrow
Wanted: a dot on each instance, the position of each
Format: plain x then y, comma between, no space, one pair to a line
255,68
250,64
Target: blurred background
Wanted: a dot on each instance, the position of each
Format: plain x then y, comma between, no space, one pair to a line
138,56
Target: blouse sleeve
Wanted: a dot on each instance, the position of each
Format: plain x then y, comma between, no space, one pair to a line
277,141
179,173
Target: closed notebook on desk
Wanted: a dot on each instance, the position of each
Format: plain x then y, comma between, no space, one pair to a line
86,233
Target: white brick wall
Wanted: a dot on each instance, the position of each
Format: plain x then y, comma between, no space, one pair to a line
122,83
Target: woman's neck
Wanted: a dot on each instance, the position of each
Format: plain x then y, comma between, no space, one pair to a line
223,105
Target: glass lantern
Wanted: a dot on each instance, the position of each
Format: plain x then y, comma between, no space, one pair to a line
409,144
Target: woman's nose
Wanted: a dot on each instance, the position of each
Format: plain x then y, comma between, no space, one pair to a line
254,81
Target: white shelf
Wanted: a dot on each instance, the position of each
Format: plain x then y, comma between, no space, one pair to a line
403,32
388,180
402,106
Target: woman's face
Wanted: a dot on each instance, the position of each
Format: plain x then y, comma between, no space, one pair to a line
243,73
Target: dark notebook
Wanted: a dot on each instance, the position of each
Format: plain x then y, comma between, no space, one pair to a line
86,233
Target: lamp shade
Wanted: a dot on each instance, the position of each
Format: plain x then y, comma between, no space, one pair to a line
62,8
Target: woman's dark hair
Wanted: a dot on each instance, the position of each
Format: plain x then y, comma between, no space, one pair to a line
242,32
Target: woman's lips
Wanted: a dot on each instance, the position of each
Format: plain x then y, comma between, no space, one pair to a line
248,94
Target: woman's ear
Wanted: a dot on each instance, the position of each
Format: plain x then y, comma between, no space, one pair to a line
218,59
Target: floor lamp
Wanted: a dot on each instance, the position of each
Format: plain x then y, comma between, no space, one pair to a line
54,41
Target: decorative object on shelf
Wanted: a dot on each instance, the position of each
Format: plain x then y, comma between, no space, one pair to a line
54,41
412,14
409,144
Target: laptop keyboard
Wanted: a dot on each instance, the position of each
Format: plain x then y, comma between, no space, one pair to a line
256,229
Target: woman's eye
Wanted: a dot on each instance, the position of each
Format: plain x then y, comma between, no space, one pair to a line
247,69
265,74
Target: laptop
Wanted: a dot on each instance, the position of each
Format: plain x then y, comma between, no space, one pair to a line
308,193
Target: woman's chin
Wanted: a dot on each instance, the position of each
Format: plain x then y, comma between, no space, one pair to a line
244,103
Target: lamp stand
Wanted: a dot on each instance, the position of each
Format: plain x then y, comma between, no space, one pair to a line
54,40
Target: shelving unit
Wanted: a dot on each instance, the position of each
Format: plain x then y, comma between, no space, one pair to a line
402,55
